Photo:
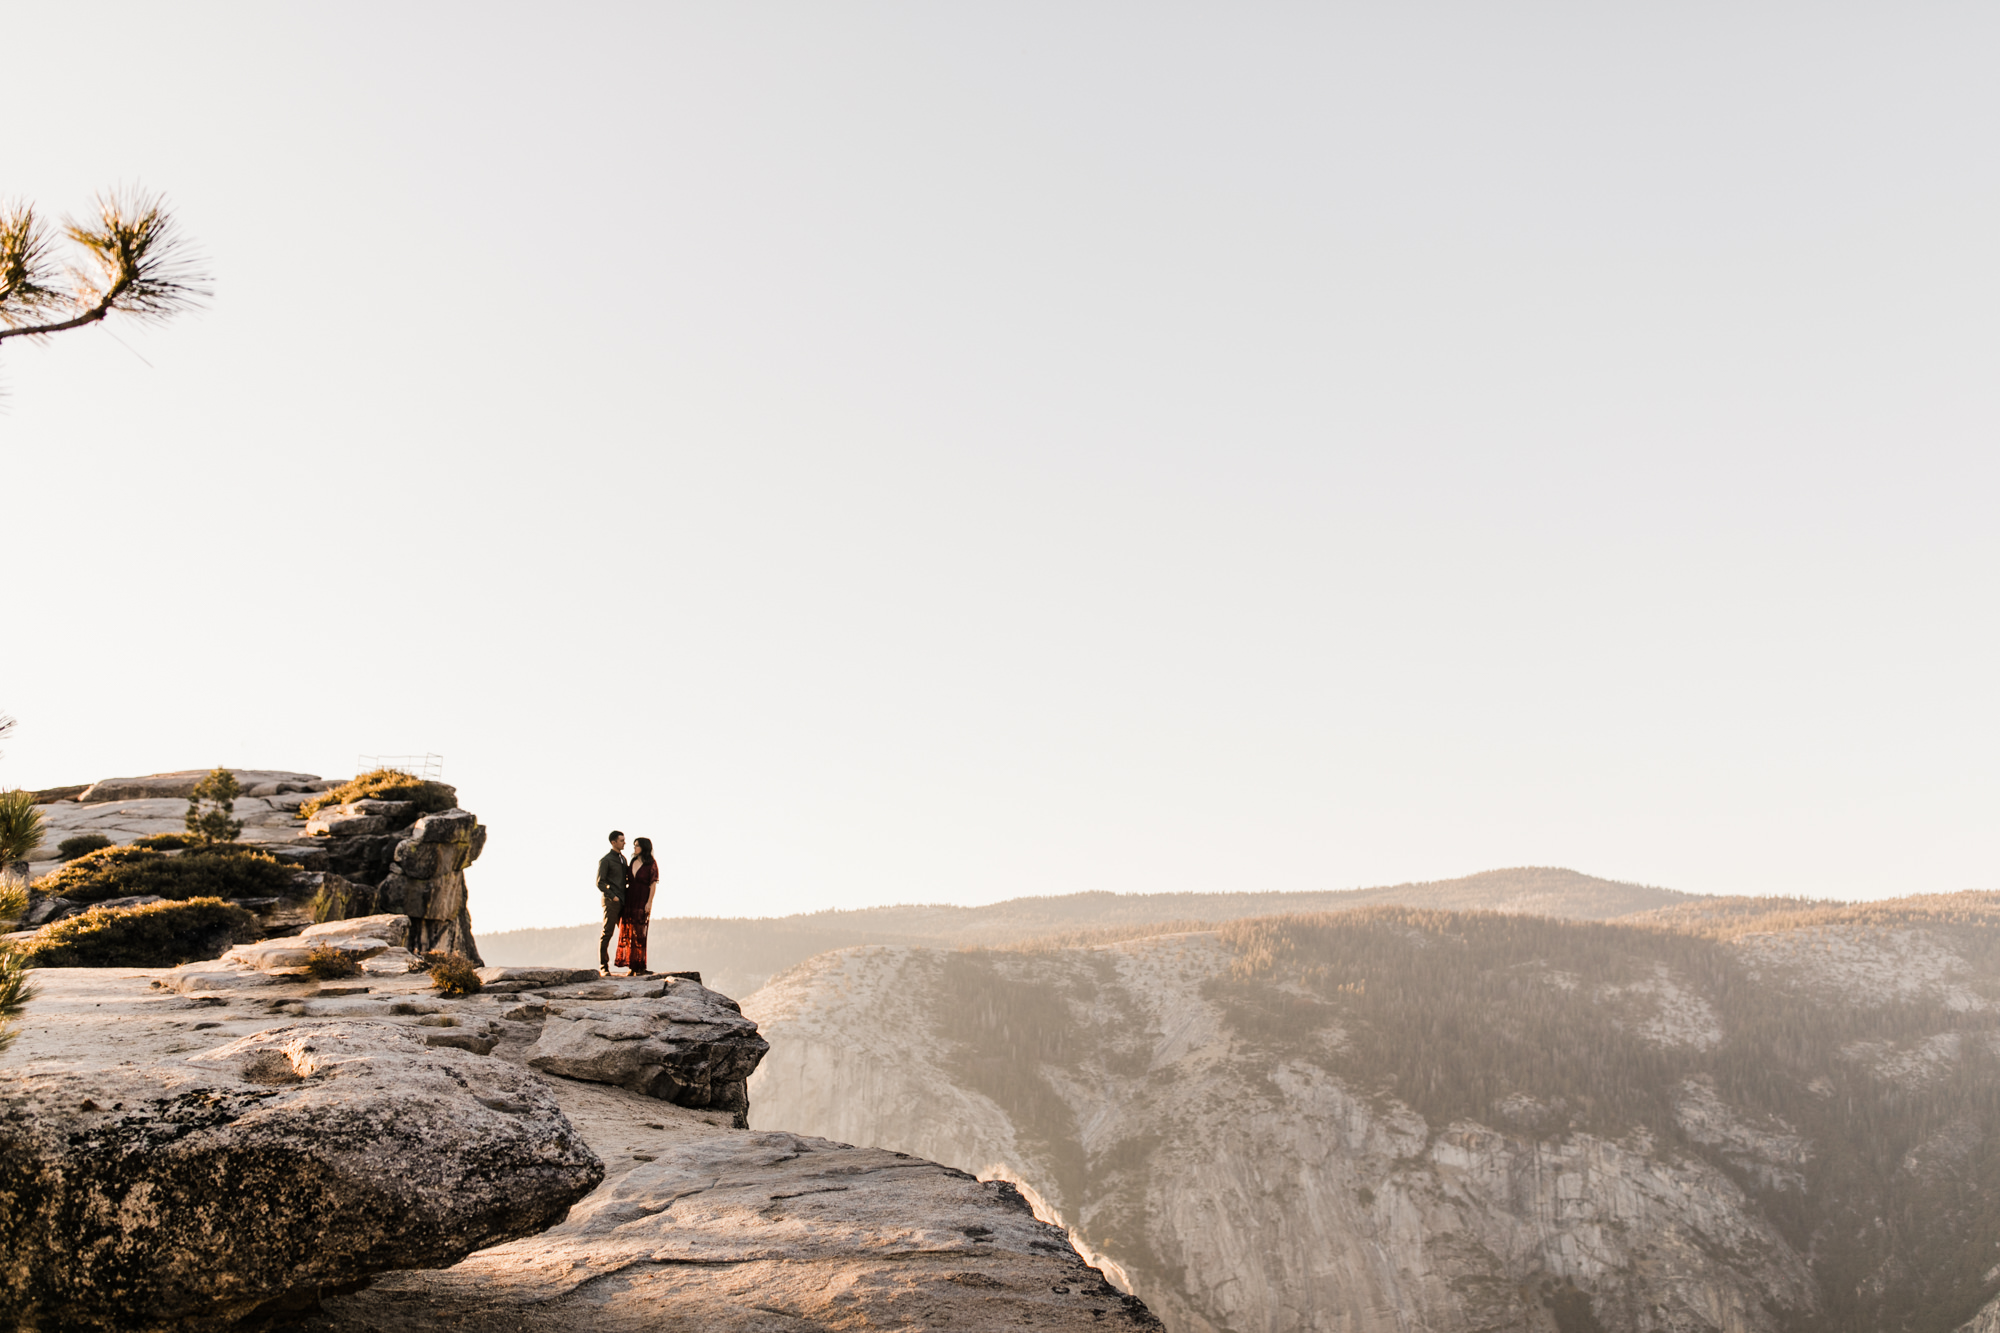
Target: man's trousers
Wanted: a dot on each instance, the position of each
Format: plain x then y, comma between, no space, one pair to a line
612,908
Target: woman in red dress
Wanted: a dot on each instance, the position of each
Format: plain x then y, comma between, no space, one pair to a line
638,913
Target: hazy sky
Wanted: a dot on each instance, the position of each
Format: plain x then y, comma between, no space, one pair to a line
948,452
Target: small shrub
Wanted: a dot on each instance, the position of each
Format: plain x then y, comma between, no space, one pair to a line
71,848
452,974
73,879
218,792
20,827
155,935
13,905
385,784
210,849
167,842
330,964
219,870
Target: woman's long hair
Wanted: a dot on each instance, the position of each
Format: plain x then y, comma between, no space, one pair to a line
644,849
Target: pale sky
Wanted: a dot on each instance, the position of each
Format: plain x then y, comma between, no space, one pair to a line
941,453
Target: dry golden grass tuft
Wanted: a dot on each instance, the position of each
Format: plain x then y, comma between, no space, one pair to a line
384,784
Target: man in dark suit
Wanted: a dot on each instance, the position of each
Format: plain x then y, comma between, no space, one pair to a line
612,873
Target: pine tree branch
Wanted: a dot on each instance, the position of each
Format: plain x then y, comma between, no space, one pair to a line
143,267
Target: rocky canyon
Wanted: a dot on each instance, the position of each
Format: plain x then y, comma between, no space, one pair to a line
1728,1114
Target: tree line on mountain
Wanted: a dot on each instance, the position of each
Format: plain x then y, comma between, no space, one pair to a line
739,954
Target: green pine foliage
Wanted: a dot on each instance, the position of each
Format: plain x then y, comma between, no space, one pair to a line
15,993
385,784
220,870
212,804
155,935
20,827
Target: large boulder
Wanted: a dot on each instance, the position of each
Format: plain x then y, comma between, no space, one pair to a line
751,1233
361,932
181,784
366,940
189,1193
428,881
683,1043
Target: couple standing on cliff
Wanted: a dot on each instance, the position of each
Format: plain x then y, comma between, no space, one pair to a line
628,904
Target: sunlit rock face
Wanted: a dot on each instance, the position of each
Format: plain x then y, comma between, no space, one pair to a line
1638,1130
368,1155
683,1043
361,858
187,1193
748,1233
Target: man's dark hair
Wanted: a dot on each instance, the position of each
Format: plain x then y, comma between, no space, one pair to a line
616,834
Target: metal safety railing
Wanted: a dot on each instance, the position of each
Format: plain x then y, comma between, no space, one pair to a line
429,767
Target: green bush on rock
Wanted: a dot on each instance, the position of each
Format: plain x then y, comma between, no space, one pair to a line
71,848
221,870
90,868
155,935
385,784
167,842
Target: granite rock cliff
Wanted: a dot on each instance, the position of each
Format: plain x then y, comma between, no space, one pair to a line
1750,1131
358,858
231,1140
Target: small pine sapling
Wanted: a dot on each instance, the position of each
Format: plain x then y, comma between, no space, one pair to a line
218,791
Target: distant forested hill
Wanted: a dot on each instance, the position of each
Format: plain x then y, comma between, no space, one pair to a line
736,955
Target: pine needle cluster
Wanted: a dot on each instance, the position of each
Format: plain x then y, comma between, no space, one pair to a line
127,256
20,827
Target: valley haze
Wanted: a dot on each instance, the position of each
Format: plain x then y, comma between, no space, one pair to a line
741,953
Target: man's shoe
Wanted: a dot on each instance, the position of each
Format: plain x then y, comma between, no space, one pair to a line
603,971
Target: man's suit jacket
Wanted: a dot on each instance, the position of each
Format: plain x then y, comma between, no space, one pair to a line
612,873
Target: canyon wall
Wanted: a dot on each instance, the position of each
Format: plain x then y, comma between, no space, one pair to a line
1244,1169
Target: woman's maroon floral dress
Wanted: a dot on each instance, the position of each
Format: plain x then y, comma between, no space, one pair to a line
638,914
